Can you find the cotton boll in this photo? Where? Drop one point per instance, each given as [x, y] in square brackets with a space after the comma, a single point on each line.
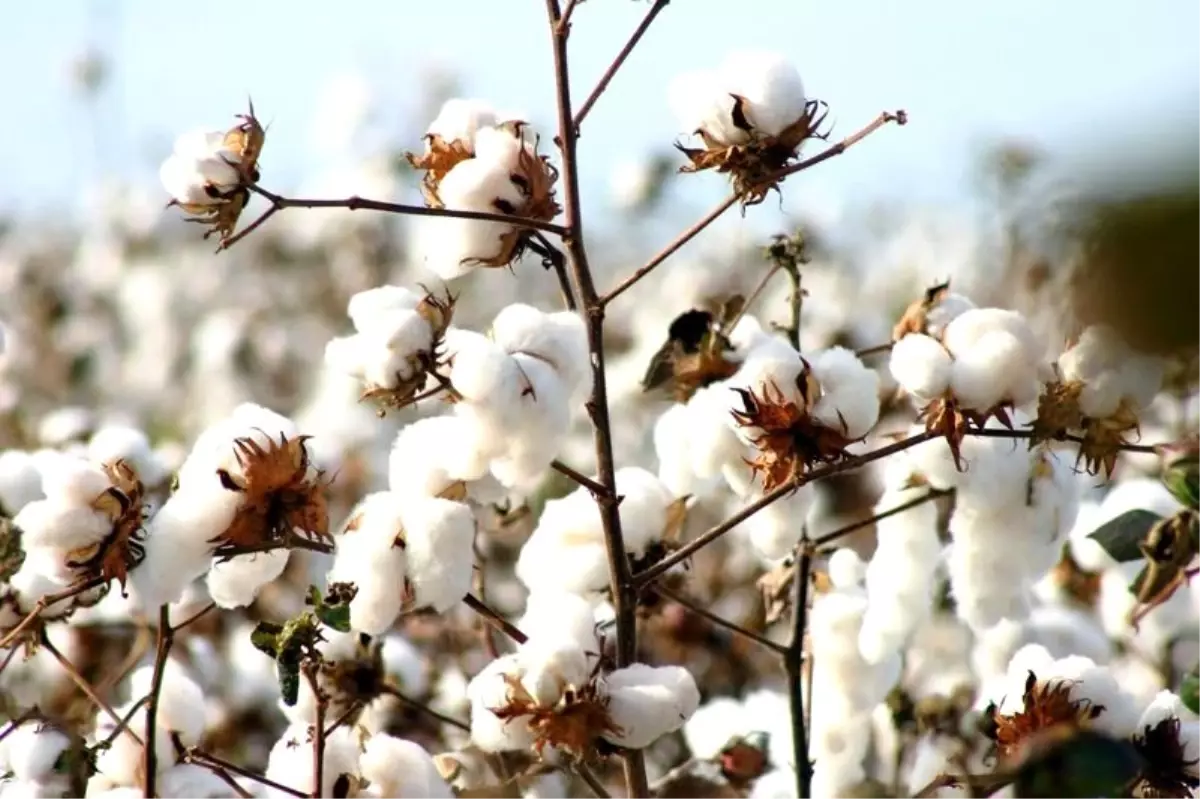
[130, 444]
[460, 118]
[558, 338]
[697, 106]
[921, 365]
[439, 535]
[479, 367]
[643, 508]
[771, 87]
[378, 577]
[968, 329]
[122, 763]
[777, 783]
[550, 667]
[178, 542]
[846, 569]
[180, 702]
[551, 615]
[776, 529]
[187, 779]
[1167, 705]
[714, 443]
[488, 691]
[945, 310]
[52, 523]
[401, 768]
[291, 759]
[432, 454]
[366, 307]
[712, 725]
[849, 393]
[20, 480]
[75, 481]
[31, 750]
[235, 583]
[996, 367]
[647, 702]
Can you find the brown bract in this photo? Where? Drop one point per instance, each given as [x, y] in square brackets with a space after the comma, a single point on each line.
[122, 548]
[752, 166]
[788, 439]
[438, 312]
[278, 495]
[694, 355]
[1167, 771]
[915, 318]
[573, 725]
[533, 175]
[946, 418]
[1047, 705]
[1102, 438]
[1168, 549]
[245, 140]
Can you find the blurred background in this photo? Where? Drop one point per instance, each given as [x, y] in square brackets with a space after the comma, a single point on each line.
[1050, 162]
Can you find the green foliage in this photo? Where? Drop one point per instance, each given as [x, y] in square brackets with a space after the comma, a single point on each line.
[1085, 764]
[1189, 690]
[1122, 537]
[1182, 479]
[290, 643]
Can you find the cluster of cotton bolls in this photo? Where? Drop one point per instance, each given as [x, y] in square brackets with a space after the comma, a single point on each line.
[570, 531]
[202, 169]
[514, 391]
[30, 752]
[482, 161]
[554, 673]
[751, 95]
[701, 442]
[982, 357]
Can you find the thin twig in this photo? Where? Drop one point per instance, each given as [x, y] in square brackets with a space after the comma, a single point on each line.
[591, 779]
[195, 617]
[162, 650]
[292, 541]
[48, 601]
[795, 304]
[494, 618]
[624, 594]
[11, 727]
[609, 73]
[793, 661]
[994, 432]
[80, 682]
[683, 238]
[729, 325]
[830, 537]
[706, 538]
[552, 258]
[568, 10]
[426, 709]
[717, 620]
[123, 723]
[250, 228]
[228, 780]
[202, 758]
[8, 658]
[355, 203]
[877, 349]
[318, 730]
[579, 477]
[355, 707]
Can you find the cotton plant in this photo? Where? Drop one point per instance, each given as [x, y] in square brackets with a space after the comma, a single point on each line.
[477, 161]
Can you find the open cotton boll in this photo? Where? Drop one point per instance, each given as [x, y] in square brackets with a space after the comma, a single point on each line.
[438, 544]
[30, 751]
[365, 308]
[54, 523]
[187, 779]
[434, 453]
[460, 118]
[921, 365]
[479, 367]
[568, 531]
[551, 615]
[769, 85]
[945, 310]
[180, 701]
[114, 441]
[1167, 705]
[558, 338]
[712, 725]
[368, 557]
[643, 508]
[551, 667]
[396, 767]
[74, 481]
[20, 480]
[849, 393]
[996, 367]
[453, 246]
[699, 104]
[647, 702]
[291, 760]
[488, 691]
[235, 583]
[846, 569]
[714, 442]
[967, 330]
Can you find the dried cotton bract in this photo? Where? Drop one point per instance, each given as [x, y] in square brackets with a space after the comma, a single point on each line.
[474, 161]
[1101, 387]
[752, 116]
[398, 335]
[208, 174]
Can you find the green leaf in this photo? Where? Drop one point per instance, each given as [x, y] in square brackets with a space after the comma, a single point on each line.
[11, 554]
[1189, 690]
[265, 638]
[1182, 479]
[1120, 536]
[335, 616]
[288, 667]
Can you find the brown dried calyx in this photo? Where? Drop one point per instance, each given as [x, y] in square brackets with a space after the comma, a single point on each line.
[752, 167]
[1047, 706]
[788, 439]
[696, 353]
[438, 312]
[245, 141]
[1102, 440]
[279, 496]
[533, 175]
[1167, 771]
[573, 725]
[112, 557]
[916, 316]
[946, 417]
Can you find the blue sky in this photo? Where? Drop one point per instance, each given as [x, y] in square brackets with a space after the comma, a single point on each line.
[1067, 74]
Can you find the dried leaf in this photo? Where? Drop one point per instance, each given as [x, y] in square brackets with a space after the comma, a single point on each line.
[11, 553]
